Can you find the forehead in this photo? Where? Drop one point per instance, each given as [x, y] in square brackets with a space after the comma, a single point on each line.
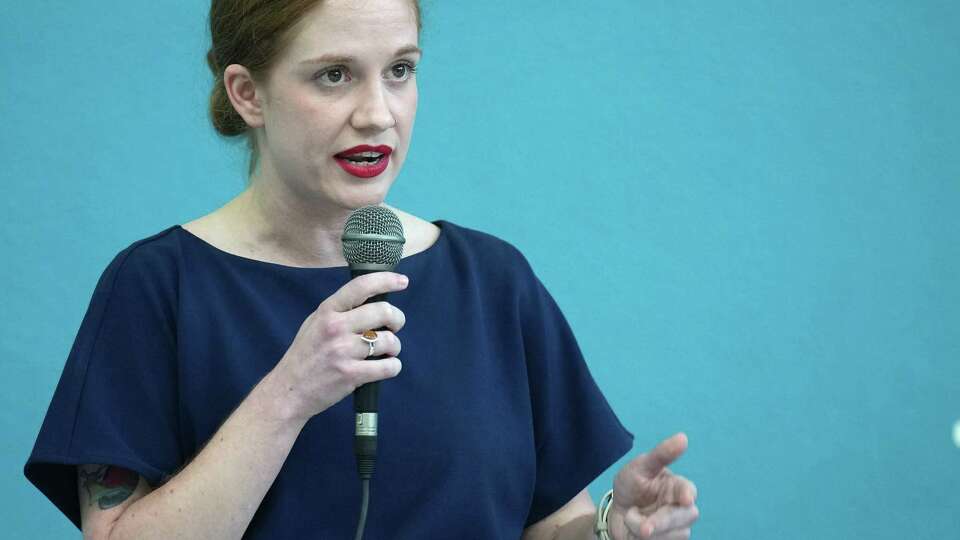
[341, 25]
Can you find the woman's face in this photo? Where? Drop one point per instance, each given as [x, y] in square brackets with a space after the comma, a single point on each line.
[346, 80]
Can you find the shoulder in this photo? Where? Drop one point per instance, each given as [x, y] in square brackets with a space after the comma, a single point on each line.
[487, 243]
[488, 252]
[149, 263]
[157, 251]
[154, 248]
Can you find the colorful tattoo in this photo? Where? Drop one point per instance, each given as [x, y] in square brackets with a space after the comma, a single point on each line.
[108, 485]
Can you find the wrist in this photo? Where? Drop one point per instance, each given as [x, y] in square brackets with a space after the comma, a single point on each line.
[278, 402]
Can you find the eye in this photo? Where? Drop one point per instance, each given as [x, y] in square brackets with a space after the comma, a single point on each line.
[333, 75]
[404, 70]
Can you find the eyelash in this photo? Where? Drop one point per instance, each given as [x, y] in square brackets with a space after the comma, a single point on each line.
[411, 71]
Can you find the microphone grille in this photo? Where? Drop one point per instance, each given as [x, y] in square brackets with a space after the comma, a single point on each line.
[372, 235]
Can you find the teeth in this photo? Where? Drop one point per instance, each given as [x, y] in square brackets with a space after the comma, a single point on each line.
[366, 154]
[363, 163]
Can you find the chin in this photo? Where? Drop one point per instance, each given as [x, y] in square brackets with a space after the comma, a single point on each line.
[366, 196]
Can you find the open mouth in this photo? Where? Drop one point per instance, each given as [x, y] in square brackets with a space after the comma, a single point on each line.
[364, 159]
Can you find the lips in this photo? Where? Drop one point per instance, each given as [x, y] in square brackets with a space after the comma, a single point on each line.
[362, 162]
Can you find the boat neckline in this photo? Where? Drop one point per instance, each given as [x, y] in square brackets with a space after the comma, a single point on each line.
[442, 224]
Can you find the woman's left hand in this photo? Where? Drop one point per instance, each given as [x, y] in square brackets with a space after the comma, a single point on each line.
[651, 502]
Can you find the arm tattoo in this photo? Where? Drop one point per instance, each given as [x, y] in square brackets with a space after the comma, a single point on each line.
[108, 485]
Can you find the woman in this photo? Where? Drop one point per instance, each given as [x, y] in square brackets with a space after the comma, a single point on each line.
[203, 396]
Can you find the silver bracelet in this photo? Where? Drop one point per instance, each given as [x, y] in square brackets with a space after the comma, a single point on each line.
[600, 526]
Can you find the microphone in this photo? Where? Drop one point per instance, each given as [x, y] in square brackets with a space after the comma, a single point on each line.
[372, 242]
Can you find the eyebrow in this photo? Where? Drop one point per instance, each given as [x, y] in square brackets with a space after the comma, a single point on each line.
[348, 59]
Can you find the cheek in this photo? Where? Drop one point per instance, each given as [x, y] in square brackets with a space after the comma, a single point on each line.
[411, 103]
[407, 113]
[318, 122]
[310, 129]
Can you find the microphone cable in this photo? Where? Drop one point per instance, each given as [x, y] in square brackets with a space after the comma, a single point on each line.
[365, 485]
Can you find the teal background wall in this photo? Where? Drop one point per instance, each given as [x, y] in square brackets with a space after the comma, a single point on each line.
[749, 212]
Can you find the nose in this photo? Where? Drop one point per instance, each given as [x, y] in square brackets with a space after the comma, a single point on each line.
[373, 110]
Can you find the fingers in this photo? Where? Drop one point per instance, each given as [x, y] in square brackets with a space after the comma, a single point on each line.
[678, 534]
[373, 316]
[665, 453]
[681, 491]
[387, 343]
[359, 289]
[367, 371]
[666, 521]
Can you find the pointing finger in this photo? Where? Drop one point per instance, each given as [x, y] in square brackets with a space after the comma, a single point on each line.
[665, 453]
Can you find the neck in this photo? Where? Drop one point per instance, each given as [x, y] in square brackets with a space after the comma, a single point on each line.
[305, 230]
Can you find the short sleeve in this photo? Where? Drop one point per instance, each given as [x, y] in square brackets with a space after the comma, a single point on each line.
[116, 401]
[577, 434]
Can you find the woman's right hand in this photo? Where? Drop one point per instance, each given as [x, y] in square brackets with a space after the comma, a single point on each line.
[327, 359]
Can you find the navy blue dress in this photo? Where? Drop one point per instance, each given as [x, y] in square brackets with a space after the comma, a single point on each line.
[494, 423]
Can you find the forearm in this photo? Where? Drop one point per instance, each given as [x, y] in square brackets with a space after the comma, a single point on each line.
[579, 528]
[216, 494]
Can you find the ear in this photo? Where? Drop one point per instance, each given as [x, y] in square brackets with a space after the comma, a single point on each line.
[243, 93]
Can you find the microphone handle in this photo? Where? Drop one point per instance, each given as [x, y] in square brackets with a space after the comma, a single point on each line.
[365, 404]
[365, 395]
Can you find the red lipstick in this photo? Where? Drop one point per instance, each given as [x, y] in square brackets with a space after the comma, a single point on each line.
[365, 161]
